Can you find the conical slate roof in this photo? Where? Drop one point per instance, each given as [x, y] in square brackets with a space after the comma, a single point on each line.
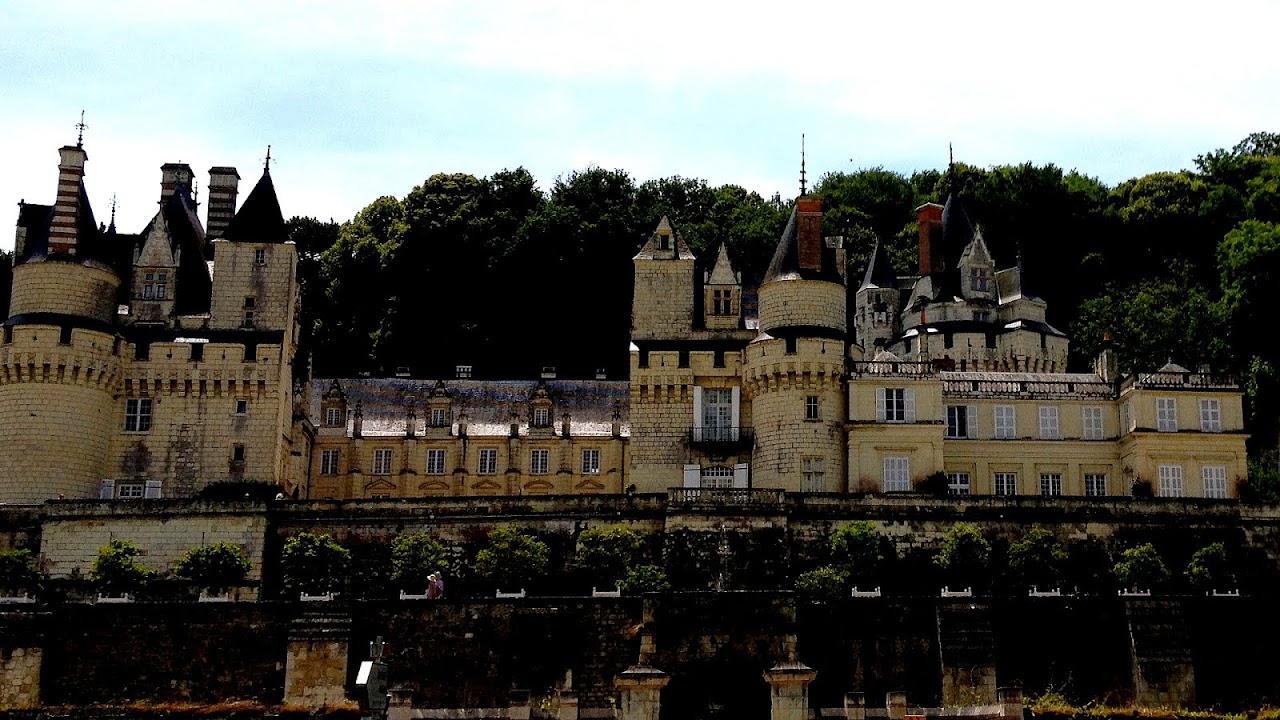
[259, 219]
[786, 259]
[879, 270]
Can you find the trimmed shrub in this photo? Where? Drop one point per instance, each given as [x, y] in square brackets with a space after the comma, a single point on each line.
[1037, 558]
[314, 564]
[413, 558]
[19, 572]
[644, 579]
[858, 551]
[1209, 569]
[116, 569]
[965, 556]
[605, 554]
[512, 560]
[1141, 568]
[824, 584]
[216, 568]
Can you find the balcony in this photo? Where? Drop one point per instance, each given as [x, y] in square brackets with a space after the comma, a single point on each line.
[725, 496]
[721, 438]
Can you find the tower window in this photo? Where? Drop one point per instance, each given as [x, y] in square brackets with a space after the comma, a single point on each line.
[242, 407]
[812, 475]
[260, 256]
[980, 279]
[250, 304]
[237, 453]
[137, 415]
[811, 408]
[721, 302]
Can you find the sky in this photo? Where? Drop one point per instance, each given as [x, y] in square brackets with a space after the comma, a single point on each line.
[360, 100]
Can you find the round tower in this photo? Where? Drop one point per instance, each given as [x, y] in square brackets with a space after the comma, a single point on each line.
[60, 365]
[794, 370]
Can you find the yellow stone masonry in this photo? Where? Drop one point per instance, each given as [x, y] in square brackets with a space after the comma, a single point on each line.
[65, 288]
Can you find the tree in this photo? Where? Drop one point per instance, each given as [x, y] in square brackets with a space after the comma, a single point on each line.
[644, 579]
[606, 554]
[1037, 558]
[19, 572]
[1140, 568]
[414, 557]
[965, 555]
[314, 564]
[825, 584]
[216, 568]
[858, 551]
[512, 560]
[116, 570]
[1209, 569]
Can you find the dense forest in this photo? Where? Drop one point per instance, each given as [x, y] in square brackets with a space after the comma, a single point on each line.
[500, 274]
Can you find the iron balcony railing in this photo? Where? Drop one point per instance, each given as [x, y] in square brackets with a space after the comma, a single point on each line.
[707, 435]
[725, 496]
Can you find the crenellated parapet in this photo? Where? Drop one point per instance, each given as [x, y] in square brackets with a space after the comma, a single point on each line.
[38, 354]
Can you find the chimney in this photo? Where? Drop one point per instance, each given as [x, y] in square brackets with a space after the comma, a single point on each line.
[171, 176]
[932, 249]
[224, 183]
[66, 209]
[1106, 364]
[809, 241]
[565, 425]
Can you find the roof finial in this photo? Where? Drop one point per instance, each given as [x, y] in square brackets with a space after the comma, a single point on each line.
[802, 181]
[80, 126]
[951, 156]
[195, 190]
[266, 166]
[112, 227]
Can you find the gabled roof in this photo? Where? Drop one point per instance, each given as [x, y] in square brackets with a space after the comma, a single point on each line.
[723, 272]
[879, 270]
[786, 259]
[36, 219]
[976, 252]
[193, 287]
[259, 219]
[676, 247]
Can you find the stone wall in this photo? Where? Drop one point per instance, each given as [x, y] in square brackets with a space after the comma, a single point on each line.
[65, 288]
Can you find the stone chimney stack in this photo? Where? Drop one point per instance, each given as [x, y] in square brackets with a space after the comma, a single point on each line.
[66, 209]
[224, 184]
[1107, 364]
[171, 176]
[809, 240]
[932, 249]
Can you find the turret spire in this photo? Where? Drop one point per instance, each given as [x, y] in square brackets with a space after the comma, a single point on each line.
[802, 179]
[80, 126]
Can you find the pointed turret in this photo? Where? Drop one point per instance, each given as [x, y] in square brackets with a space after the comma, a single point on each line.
[663, 300]
[876, 303]
[879, 271]
[722, 294]
[259, 219]
[977, 272]
[803, 289]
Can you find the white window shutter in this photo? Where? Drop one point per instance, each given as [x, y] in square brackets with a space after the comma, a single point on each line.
[735, 413]
[692, 476]
[108, 490]
[909, 400]
[697, 407]
[971, 421]
[880, 411]
[152, 489]
[741, 473]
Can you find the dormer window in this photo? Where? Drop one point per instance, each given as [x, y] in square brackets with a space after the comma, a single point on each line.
[542, 417]
[980, 280]
[155, 286]
[439, 417]
[721, 302]
[664, 242]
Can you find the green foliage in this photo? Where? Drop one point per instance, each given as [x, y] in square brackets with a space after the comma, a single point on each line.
[1037, 558]
[859, 551]
[825, 584]
[512, 560]
[19, 572]
[965, 555]
[644, 579]
[215, 567]
[1140, 568]
[314, 564]
[606, 554]
[1209, 569]
[415, 556]
[116, 569]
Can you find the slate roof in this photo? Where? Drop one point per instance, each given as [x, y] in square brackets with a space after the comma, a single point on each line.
[786, 259]
[36, 219]
[652, 248]
[193, 286]
[259, 219]
[879, 270]
[487, 404]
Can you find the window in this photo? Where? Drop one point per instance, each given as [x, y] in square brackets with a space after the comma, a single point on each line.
[382, 461]
[237, 453]
[1006, 483]
[439, 417]
[1170, 477]
[328, 462]
[1049, 423]
[148, 286]
[981, 316]
[896, 405]
[1050, 484]
[435, 462]
[130, 491]
[137, 415]
[721, 304]
[1091, 420]
[717, 476]
[1210, 415]
[1005, 422]
[980, 279]
[897, 474]
[811, 407]
[333, 416]
[162, 285]
[591, 462]
[260, 256]
[958, 483]
[249, 305]
[717, 414]
[812, 475]
[542, 417]
[1167, 414]
[155, 286]
[488, 461]
[242, 407]
[1127, 419]
[960, 420]
[1095, 484]
[539, 460]
[1215, 481]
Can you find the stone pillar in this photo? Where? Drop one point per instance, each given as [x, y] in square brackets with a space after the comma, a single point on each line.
[1160, 648]
[315, 671]
[855, 706]
[1010, 701]
[968, 653]
[21, 655]
[789, 690]
[896, 705]
[641, 689]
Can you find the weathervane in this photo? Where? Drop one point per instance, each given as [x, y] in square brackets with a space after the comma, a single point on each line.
[80, 126]
[113, 211]
[802, 183]
[266, 167]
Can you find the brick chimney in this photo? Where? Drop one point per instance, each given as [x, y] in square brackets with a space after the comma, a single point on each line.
[66, 209]
[932, 249]
[171, 176]
[224, 183]
[809, 233]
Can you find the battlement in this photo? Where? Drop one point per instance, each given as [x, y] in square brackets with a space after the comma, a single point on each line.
[647, 364]
[768, 359]
[50, 353]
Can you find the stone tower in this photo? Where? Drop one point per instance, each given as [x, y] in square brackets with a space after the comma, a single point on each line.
[60, 364]
[664, 275]
[722, 295]
[876, 304]
[794, 369]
